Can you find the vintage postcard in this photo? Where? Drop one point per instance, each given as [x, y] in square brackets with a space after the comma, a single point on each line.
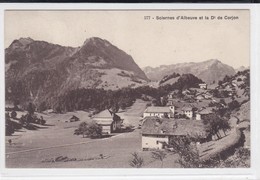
[127, 88]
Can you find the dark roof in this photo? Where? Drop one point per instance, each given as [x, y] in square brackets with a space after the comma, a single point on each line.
[206, 111]
[186, 108]
[74, 117]
[159, 126]
[157, 109]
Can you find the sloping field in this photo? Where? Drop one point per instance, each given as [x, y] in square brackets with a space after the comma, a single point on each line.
[54, 133]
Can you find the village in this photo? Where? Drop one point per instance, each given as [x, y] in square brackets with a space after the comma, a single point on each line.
[139, 130]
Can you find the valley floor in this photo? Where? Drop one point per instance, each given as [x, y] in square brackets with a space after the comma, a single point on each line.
[35, 148]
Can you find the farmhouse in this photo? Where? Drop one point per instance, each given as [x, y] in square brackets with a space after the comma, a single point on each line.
[157, 132]
[158, 111]
[109, 121]
[203, 86]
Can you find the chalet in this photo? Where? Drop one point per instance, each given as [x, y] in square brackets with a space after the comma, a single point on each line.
[157, 132]
[203, 86]
[109, 121]
[158, 111]
[188, 111]
[74, 119]
[203, 113]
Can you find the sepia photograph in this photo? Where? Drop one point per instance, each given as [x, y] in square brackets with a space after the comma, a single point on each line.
[129, 88]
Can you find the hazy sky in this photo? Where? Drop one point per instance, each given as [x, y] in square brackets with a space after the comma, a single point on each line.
[150, 42]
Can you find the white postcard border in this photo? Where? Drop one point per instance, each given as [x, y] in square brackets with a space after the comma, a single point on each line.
[225, 173]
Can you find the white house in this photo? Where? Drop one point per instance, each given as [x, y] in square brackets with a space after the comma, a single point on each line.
[157, 132]
[203, 86]
[188, 111]
[198, 116]
[109, 121]
[158, 111]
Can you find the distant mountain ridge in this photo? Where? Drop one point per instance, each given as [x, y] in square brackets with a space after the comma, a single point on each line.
[209, 71]
[40, 70]
[241, 68]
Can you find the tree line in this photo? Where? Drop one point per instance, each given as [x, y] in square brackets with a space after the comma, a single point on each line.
[100, 99]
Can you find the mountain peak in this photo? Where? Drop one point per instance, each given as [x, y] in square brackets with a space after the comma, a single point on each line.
[212, 61]
[21, 42]
[96, 41]
[27, 39]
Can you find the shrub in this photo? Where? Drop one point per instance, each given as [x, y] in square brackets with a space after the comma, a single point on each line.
[42, 107]
[92, 130]
[233, 105]
[30, 108]
[13, 114]
[241, 158]
[136, 161]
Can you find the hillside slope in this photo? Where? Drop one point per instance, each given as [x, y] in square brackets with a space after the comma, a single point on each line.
[38, 70]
